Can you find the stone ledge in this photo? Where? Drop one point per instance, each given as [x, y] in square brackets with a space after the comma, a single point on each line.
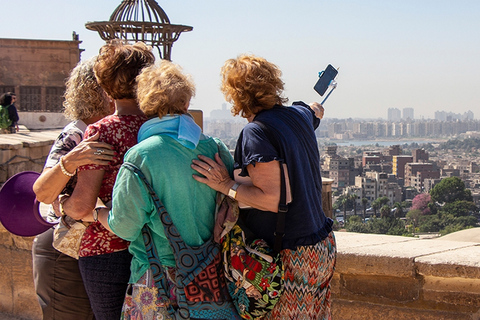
[377, 277]
[433, 278]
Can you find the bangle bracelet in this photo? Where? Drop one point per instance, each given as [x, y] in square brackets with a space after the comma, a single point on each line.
[64, 171]
[62, 199]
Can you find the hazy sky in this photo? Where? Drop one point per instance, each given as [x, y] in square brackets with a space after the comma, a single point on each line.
[423, 54]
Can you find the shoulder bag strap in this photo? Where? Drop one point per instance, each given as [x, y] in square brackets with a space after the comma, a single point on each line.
[158, 272]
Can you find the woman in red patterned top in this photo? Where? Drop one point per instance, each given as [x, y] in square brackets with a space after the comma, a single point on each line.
[104, 259]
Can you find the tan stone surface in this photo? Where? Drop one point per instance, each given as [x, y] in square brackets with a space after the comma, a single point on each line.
[468, 235]
[463, 262]
[360, 310]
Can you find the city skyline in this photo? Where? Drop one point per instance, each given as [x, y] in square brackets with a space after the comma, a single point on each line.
[393, 114]
[408, 54]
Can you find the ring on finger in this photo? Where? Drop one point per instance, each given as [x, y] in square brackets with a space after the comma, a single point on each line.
[98, 152]
[210, 168]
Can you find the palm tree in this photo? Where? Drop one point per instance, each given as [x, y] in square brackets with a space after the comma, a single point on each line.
[344, 203]
[385, 211]
[353, 197]
[375, 206]
[398, 209]
[364, 204]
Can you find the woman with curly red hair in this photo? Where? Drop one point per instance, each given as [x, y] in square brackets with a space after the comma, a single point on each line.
[308, 250]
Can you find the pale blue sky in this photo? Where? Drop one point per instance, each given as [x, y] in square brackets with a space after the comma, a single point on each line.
[423, 54]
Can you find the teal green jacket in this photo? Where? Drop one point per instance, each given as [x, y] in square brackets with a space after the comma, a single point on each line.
[191, 204]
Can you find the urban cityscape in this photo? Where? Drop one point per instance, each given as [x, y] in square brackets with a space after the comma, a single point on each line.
[399, 151]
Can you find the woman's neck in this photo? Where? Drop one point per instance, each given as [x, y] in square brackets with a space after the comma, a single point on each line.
[125, 107]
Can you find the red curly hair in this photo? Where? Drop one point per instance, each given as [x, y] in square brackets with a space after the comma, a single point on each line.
[251, 84]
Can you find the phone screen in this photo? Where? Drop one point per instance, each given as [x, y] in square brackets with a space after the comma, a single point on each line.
[325, 78]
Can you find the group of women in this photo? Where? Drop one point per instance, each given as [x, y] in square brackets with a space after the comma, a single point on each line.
[127, 108]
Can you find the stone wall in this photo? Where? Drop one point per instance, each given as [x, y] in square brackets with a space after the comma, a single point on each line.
[393, 277]
[42, 120]
[24, 151]
[377, 277]
[17, 294]
[36, 71]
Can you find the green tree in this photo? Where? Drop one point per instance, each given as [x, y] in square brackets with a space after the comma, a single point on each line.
[383, 201]
[375, 206]
[449, 190]
[460, 208]
[398, 210]
[385, 211]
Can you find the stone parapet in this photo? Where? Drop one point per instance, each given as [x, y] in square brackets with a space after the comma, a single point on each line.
[377, 277]
[392, 277]
[24, 151]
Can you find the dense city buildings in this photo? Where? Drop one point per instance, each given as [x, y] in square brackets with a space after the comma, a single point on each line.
[363, 169]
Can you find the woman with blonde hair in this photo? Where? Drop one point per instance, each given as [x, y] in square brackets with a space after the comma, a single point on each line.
[104, 259]
[308, 251]
[57, 278]
[167, 143]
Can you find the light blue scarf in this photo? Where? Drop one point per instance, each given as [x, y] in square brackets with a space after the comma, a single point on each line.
[182, 128]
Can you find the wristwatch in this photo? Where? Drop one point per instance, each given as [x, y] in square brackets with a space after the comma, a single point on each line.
[95, 213]
[232, 193]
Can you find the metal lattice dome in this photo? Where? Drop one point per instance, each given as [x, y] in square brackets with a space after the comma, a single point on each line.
[141, 20]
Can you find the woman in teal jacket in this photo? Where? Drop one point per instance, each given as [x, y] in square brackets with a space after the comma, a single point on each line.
[167, 143]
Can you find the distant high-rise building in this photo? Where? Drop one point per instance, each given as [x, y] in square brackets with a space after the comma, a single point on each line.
[223, 113]
[394, 114]
[440, 115]
[408, 114]
[420, 155]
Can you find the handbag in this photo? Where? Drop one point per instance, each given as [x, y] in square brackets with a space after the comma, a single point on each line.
[67, 236]
[68, 233]
[254, 271]
[199, 280]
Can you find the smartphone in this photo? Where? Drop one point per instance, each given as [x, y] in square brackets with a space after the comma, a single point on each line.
[325, 79]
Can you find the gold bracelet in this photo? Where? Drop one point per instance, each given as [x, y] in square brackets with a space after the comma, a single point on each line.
[64, 171]
[61, 200]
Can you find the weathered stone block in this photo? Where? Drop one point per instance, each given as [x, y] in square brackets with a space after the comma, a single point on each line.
[36, 152]
[360, 310]
[5, 155]
[399, 289]
[455, 291]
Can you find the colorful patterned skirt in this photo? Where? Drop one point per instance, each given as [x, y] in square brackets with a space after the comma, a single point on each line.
[308, 272]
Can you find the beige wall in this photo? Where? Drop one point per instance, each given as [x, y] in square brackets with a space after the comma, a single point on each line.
[44, 64]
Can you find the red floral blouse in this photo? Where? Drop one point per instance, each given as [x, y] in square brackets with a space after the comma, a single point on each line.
[120, 132]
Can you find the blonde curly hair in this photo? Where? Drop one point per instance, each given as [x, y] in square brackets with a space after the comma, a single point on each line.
[163, 89]
[251, 84]
[84, 98]
[118, 64]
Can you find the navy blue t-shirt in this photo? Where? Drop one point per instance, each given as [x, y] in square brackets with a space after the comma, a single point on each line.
[294, 129]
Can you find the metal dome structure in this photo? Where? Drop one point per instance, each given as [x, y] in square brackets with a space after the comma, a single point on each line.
[141, 20]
